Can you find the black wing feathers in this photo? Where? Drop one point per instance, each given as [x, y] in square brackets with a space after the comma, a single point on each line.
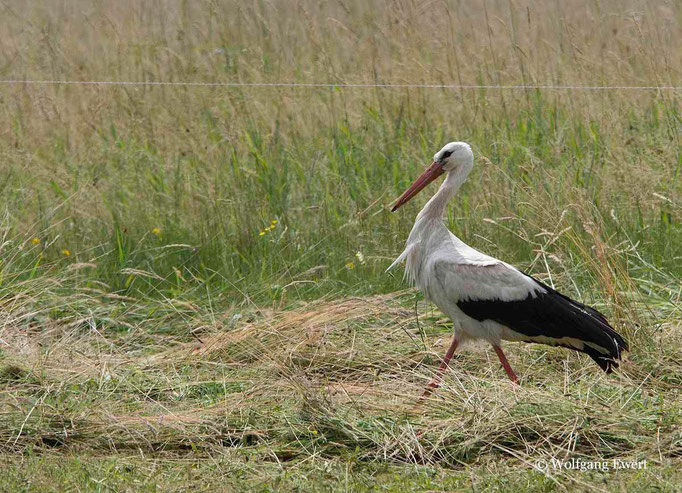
[555, 316]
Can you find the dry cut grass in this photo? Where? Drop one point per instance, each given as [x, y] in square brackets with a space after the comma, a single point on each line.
[335, 380]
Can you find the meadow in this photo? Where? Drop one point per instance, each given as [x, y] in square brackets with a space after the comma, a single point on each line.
[192, 278]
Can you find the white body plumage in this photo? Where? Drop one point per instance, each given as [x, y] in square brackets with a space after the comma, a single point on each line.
[447, 270]
[486, 298]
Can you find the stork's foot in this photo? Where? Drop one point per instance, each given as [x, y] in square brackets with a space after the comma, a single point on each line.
[505, 364]
[433, 385]
[435, 382]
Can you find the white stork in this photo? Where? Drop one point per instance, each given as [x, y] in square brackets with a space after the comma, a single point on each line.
[486, 298]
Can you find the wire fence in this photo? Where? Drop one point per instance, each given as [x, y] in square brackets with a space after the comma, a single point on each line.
[303, 85]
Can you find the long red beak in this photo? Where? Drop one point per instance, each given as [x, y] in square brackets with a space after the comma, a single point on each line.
[431, 173]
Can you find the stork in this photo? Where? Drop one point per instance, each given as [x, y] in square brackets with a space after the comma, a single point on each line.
[486, 298]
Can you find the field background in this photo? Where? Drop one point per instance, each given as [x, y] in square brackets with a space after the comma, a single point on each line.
[192, 286]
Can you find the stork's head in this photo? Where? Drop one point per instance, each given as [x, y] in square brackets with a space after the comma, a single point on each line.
[455, 157]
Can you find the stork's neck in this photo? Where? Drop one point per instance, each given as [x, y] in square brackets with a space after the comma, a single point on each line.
[435, 207]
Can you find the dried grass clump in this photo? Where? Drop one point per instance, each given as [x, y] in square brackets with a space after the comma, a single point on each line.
[337, 377]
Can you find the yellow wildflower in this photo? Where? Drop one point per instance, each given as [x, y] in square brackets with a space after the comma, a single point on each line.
[35, 241]
[66, 252]
[350, 265]
[268, 228]
[156, 231]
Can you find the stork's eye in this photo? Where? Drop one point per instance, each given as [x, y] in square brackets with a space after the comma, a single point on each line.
[446, 154]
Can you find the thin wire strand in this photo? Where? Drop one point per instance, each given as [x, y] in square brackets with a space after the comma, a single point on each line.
[340, 85]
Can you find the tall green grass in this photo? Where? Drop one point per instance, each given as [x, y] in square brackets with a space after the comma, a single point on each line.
[544, 185]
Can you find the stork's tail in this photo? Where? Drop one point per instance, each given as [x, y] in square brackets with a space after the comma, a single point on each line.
[600, 340]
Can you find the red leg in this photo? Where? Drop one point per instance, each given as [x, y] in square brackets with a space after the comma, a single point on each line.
[506, 365]
[435, 382]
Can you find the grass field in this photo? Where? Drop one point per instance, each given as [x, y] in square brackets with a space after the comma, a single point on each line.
[192, 285]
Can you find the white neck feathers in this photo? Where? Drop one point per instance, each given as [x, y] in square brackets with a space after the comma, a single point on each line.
[435, 207]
